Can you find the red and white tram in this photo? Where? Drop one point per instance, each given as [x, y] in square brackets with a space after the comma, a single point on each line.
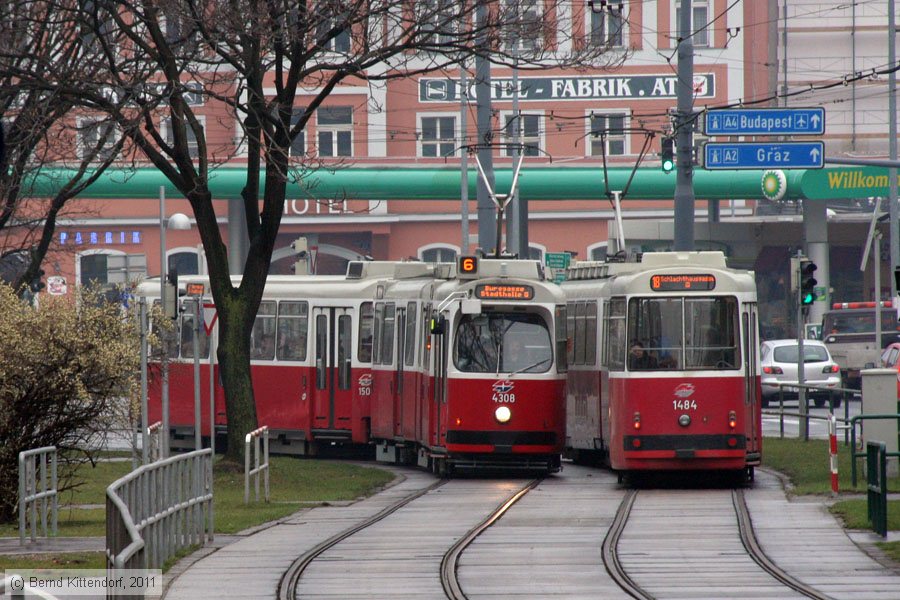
[442, 365]
[469, 367]
[310, 359]
[663, 364]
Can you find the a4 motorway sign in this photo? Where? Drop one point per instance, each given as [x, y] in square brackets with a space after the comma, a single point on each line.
[764, 155]
[765, 121]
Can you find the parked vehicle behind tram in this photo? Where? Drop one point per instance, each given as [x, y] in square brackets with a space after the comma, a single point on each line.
[663, 364]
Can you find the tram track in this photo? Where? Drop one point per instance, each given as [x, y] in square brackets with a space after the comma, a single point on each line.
[631, 584]
[450, 561]
[287, 585]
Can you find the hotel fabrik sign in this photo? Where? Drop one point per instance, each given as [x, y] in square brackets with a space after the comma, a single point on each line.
[633, 87]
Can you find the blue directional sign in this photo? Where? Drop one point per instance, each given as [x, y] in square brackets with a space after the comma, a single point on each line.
[763, 155]
[765, 121]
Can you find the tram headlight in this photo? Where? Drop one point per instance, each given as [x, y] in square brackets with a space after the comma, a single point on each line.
[502, 414]
[684, 420]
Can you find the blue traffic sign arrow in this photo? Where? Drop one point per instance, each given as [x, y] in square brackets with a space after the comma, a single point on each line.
[765, 121]
[764, 155]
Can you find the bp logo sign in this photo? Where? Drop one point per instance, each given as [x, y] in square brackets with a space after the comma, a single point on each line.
[774, 185]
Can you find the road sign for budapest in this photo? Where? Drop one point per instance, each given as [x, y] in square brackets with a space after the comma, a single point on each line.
[764, 155]
[765, 121]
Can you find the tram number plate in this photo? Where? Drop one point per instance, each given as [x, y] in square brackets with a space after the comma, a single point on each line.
[684, 404]
[504, 397]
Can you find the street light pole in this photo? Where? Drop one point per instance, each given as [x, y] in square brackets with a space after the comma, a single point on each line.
[163, 332]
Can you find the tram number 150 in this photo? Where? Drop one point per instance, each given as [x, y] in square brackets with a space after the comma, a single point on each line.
[684, 404]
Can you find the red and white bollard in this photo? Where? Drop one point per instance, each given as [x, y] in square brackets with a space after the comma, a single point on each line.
[832, 451]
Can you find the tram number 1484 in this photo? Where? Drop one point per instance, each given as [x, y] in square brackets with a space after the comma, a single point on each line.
[684, 404]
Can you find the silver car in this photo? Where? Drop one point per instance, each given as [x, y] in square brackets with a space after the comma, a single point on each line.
[779, 366]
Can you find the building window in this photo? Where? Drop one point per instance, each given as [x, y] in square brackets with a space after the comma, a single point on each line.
[180, 31]
[529, 133]
[607, 135]
[699, 21]
[298, 144]
[184, 263]
[607, 24]
[437, 254]
[335, 130]
[437, 25]
[169, 136]
[328, 38]
[97, 139]
[526, 32]
[597, 251]
[438, 136]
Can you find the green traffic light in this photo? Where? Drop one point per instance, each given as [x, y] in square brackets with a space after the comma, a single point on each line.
[667, 155]
[808, 298]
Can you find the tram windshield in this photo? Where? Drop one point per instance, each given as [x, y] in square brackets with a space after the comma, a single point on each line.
[503, 343]
[683, 333]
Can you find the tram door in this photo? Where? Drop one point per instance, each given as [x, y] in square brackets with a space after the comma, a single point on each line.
[439, 401]
[400, 332]
[332, 396]
[751, 369]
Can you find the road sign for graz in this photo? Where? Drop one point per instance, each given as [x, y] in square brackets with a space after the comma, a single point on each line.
[753, 155]
[765, 121]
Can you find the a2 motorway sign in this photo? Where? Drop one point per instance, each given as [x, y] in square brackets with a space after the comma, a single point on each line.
[765, 121]
[764, 155]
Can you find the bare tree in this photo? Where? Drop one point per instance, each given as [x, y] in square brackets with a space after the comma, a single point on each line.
[39, 61]
[252, 60]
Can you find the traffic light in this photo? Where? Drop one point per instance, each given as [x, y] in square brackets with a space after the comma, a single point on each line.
[667, 154]
[807, 282]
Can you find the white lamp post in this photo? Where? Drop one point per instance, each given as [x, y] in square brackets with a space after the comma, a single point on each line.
[177, 221]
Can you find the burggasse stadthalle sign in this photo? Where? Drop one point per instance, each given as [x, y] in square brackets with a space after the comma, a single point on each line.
[634, 87]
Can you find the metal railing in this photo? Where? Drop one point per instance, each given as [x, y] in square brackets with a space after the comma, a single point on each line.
[846, 394]
[154, 447]
[32, 473]
[876, 487]
[158, 509]
[254, 436]
[857, 455]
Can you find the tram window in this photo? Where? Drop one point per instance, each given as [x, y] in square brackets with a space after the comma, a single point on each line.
[345, 348]
[711, 333]
[387, 335]
[187, 333]
[366, 317]
[614, 323]
[590, 334]
[410, 334]
[657, 324]
[262, 337]
[571, 334]
[377, 326]
[322, 354]
[293, 330]
[580, 337]
[503, 342]
[562, 362]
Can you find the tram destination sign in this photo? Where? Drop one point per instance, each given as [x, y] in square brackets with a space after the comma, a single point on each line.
[763, 155]
[765, 121]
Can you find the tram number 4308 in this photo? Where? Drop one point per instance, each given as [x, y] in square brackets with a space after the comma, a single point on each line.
[504, 397]
[684, 404]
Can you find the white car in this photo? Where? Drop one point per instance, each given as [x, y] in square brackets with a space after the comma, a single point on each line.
[778, 360]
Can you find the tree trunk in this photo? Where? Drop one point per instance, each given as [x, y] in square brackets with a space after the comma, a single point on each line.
[234, 365]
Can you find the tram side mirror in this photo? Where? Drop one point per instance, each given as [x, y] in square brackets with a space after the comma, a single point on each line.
[470, 307]
[438, 325]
